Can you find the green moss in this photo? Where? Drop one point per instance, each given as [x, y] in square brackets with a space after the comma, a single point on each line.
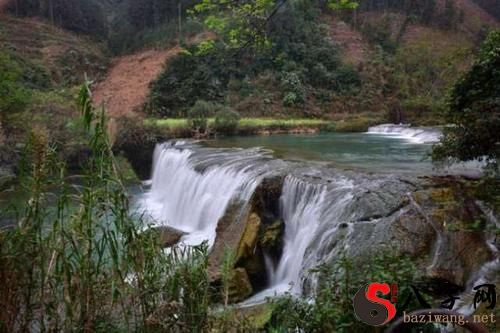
[249, 238]
[271, 237]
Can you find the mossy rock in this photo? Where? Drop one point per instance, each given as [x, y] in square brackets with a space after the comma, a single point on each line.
[249, 238]
[271, 238]
[164, 235]
[240, 287]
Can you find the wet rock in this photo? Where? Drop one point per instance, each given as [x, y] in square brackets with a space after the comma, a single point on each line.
[248, 241]
[167, 236]
[271, 238]
[240, 287]
[240, 230]
[229, 232]
[249, 255]
[266, 199]
[438, 224]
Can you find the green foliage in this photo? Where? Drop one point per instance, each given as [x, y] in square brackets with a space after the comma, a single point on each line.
[13, 96]
[342, 4]
[226, 121]
[245, 24]
[474, 110]
[294, 89]
[197, 116]
[77, 261]
[331, 310]
[239, 24]
[297, 53]
[379, 33]
[188, 78]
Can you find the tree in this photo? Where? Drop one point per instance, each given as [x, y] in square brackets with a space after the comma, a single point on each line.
[84, 16]
[242, 24]
[474, 110]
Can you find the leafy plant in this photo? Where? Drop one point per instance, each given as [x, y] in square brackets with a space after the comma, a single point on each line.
[226, 121]
[330, 310]
[197, 117]
[474, 110]
[76, 260]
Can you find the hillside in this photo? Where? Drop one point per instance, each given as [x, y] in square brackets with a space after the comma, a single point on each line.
[41, 68]
[126, 85]
[64, 56]
[393, 65]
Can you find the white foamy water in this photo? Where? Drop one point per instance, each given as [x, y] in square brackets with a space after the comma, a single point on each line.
[412, 134]
[301, 204]
[304, 207]
[194, 200]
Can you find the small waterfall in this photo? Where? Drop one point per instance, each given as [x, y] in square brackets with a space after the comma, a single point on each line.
[412, 134]
[192, 200]
[304, 206]
[488, 273]
[301, 204]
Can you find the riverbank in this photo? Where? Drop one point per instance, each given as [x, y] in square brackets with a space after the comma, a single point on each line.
[179, 128]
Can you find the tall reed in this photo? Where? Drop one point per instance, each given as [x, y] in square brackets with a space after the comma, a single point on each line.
[77, 260]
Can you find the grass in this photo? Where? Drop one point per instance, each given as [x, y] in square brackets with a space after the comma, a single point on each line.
[244, 122]
[247, 125]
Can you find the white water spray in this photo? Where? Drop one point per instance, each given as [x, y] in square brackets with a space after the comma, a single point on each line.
[412, 134]
[193, 201]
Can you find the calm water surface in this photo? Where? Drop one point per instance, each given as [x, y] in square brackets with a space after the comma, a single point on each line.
[371, 152]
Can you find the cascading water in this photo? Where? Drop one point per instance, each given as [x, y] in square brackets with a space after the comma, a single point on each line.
[414, 135]
[326, 211]
[304, 206]
[193, 200]
[301, 205]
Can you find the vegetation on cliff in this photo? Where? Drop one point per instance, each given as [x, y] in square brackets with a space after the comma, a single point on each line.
[474, 110]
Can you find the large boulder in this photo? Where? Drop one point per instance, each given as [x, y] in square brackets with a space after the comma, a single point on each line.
[241, 230]
[435, 222]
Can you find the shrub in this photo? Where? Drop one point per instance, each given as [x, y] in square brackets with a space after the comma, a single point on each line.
[190, 77]
[295, 91]
[198, 115]
[474, 110]
[331, 310]
[12, 95]
[226, 121]
[77, 261]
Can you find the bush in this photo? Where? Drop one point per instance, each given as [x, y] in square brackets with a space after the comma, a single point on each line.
[331, 310]
[126, 283]
[198, 115]
[474, 110]
[190, 77]
[226, 121]
[295, 91]
[12, 94]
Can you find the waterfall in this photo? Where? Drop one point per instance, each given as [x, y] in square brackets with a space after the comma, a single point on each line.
[301, 204]
[489, 272]
[191, 189]
[412, 134]
[304, 207]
